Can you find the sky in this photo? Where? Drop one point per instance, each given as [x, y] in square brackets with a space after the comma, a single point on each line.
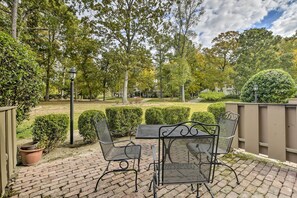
[278, 16]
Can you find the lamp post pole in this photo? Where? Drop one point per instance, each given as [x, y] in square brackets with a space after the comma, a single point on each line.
[72, 76]
[256, 94]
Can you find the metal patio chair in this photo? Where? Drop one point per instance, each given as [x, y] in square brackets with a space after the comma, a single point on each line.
[120, 154]
[228, 122]
[174, 164]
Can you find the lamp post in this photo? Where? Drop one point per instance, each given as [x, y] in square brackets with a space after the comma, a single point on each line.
[256, 94]
[72, 77]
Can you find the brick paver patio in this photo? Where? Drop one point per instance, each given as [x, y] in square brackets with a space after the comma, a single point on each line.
[77, 176]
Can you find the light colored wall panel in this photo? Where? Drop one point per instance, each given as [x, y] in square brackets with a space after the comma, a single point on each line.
[3, 172]
[276, 132]
[251, 114]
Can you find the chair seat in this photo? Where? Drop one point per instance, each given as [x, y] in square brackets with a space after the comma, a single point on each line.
[184, 173]
[124, 152]
[194, 149]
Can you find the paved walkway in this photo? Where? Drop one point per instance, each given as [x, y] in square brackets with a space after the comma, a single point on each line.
[77, 176]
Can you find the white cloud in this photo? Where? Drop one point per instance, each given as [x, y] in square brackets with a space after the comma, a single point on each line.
[286, 25]
[238, 15]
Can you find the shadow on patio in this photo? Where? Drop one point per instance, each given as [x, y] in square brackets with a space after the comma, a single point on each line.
[77, 177]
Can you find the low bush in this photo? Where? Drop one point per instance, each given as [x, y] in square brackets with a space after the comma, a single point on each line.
[173, 115]
[217, 109]
[212, 95]
[85, 124]
[154, 115]
[274, 86]
[123, 120]
[203, 117]
[50, 130]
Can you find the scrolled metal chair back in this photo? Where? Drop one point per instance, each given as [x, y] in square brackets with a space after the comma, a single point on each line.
[103, 135]
[228, 122]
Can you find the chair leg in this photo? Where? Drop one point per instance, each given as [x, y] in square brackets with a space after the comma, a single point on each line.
[222, 163]
[138, 164]
[208, 189]
[135, 180]
[198, 191]
[155, 186]
[150, 186]
[101, 178]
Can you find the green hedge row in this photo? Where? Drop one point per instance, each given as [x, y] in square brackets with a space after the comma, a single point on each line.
[217, 109]
[212, 95]
[167, 115]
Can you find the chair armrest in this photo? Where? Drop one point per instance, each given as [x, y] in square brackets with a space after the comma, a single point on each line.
[226, 137]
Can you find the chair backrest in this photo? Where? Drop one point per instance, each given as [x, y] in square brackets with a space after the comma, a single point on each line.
[104, 136]
[177, 164]
[228, 122]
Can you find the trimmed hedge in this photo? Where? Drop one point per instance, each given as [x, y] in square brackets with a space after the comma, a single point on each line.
[50, 130]
[86, 127]
[173, 115]
[217, 109]
[123, 120]
[274, 86]
[212, 95]
[204, 117]
[154, 115]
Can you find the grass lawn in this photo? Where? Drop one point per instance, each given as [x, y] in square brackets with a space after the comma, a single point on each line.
[57, 107]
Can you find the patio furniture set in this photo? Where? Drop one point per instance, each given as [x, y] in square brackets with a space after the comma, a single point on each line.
[186, 152]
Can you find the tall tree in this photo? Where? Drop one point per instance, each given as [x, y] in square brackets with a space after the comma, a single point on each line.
[221, 56]
[186, 15]
[162, 45]
[128, 24]
[258, 50]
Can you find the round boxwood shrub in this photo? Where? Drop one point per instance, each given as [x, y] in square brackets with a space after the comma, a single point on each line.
[50, 130]
[123, 120]
[204, 117]
[274, 86]
[154, 115]
[212, 95]
[173, 115]
[85, 124]
[217, 109]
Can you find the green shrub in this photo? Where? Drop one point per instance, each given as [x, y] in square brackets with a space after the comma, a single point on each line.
[173, 115]
[204, 117]
[217, 109]
[123, 120]
[154, 115]
[20, 76]
[50, 130]
[274, 86]
[86, 127]
[212, 95]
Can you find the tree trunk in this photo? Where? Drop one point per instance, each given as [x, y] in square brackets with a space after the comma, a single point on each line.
[125, 91]
[183, 93]
[14, 18]
[47, 81]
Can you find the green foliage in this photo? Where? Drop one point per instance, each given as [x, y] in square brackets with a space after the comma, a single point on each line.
[50, 130]
[217, 109]
[212, 95]
[85, 124]
[258, 50]
[123, 120]
[20, 79]
[154, 115]
[274, 86]
[204, 117]
[173, 115]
